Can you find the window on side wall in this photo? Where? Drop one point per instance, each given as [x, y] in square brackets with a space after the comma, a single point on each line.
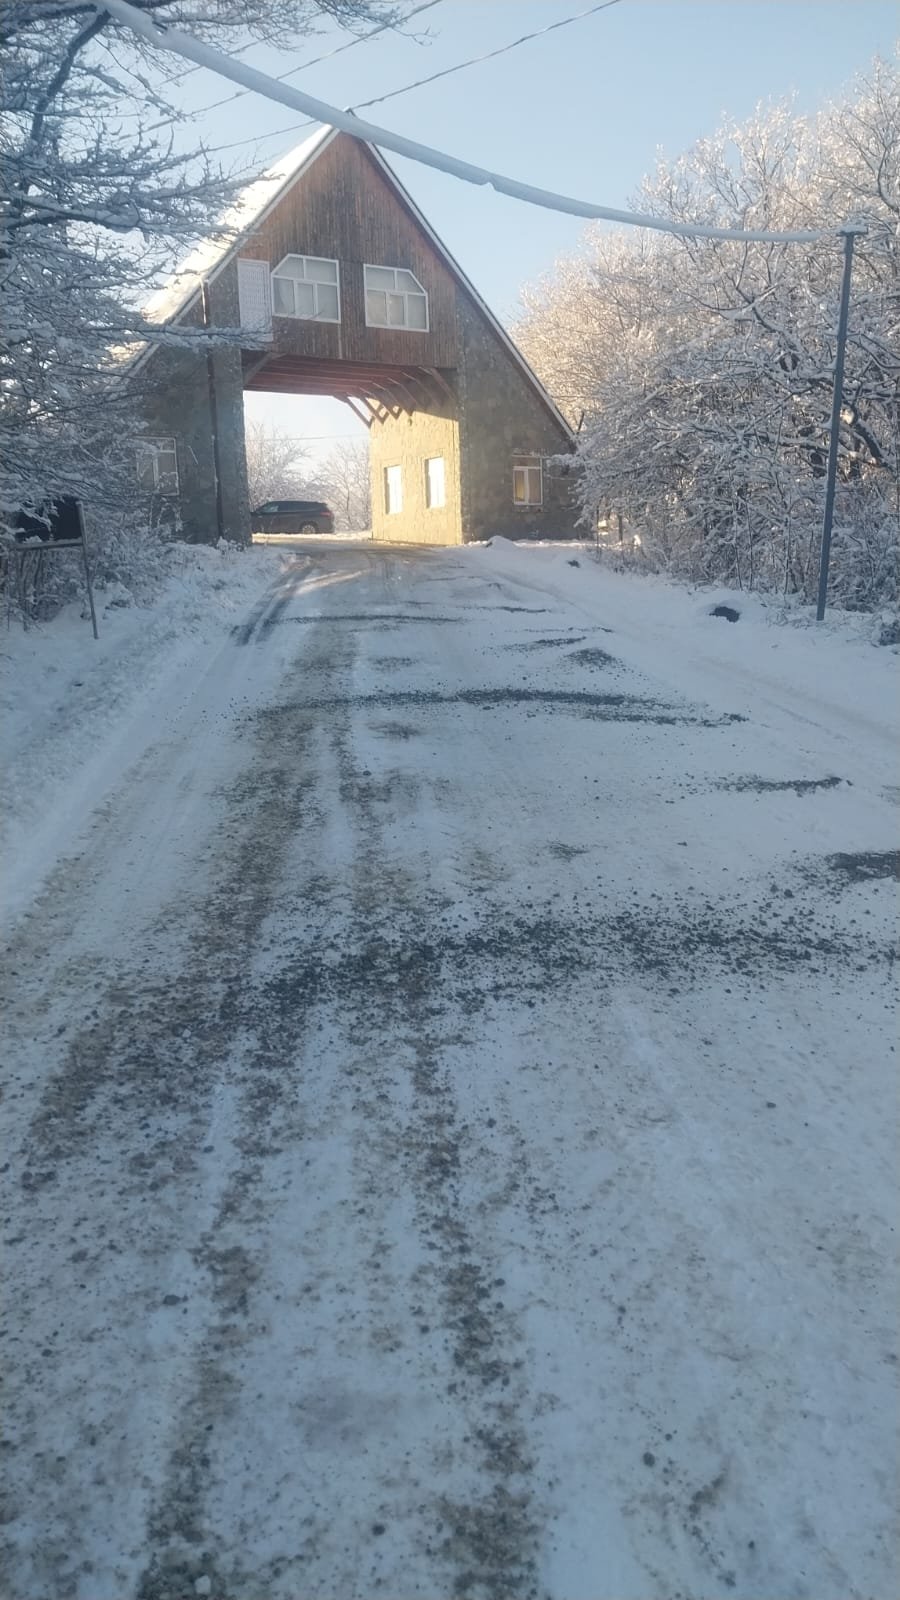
[156, 465]
[435, 491]
[528, 481]
[395, 299]
[307, 287]
[393, 490]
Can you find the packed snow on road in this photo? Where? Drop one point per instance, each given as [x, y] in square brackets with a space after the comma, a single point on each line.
[450, 1057]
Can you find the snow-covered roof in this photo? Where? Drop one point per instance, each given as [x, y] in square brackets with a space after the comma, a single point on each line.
[252, 207]
[246, 214]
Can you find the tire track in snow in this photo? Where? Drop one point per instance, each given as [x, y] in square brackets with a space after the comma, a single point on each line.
[142, 1087]
[259, 1166]
[490, 1540]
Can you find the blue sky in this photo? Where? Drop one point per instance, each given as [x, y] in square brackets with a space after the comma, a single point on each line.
[585, 110]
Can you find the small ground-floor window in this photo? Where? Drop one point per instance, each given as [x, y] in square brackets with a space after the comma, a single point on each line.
[156, 463]
[528, 483]
[435, 492]
[393, 490]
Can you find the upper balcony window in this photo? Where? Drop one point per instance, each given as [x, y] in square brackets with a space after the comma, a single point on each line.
[395, 299]
[307, 287]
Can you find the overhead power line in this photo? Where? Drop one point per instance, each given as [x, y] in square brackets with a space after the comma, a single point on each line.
[488, 55]
[294, 127]
[360, 38]
[179, 43]
[259, 138]
[179, 77]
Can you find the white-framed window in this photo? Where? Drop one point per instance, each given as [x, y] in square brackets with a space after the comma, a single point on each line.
[156, 465]
[528, 481]
[307, 287]
[395, 299]
[435, 489]
[393, 490]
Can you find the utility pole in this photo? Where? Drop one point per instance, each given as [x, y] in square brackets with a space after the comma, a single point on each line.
[213, 410]
[848, 234]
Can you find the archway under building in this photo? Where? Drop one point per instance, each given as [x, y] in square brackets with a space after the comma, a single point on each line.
[397, 410]
[308, 447]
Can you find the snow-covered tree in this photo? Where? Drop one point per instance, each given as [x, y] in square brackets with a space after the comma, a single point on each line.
[345, 475]
[702, 368]
[93, 205]
[277, 465]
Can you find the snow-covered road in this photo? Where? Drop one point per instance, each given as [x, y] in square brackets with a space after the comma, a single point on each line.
[449, 1141]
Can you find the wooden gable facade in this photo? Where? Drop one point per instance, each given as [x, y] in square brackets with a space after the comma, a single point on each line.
[464, 441]
[342, 209]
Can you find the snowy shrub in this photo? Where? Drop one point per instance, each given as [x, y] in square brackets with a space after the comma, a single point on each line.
[129, 556]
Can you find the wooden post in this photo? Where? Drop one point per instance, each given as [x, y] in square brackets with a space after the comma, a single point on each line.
[87, 569]
[213, 413]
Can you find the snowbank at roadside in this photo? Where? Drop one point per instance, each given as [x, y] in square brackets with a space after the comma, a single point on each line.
[777, 610]
[73, 707]
[304, 540]
[831, 671]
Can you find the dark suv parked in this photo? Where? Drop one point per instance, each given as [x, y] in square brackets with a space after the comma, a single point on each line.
[292, 516]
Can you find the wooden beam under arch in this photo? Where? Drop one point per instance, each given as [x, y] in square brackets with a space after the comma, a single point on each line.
[397, 388]
[356, 408]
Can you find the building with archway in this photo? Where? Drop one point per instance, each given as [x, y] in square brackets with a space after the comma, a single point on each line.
[342, 288]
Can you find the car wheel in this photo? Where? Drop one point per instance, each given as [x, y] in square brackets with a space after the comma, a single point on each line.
[309, 527]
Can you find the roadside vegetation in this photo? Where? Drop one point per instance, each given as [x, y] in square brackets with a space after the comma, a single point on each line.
[101, 193]
[699, 371]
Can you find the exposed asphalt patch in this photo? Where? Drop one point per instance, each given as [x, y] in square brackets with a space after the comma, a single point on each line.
[547, 644]
[862, 866]
[776, 786]
[608, 707]
[397, 730]
[153, 1056]
[593, 656]
[509, 955]
[373, 617]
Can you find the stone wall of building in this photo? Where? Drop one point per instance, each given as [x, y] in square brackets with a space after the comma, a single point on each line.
[502, 416]
[174, 393]
[407, 442]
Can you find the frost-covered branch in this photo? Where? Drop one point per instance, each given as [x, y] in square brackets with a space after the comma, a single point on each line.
[94, 208]
[703, 368]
